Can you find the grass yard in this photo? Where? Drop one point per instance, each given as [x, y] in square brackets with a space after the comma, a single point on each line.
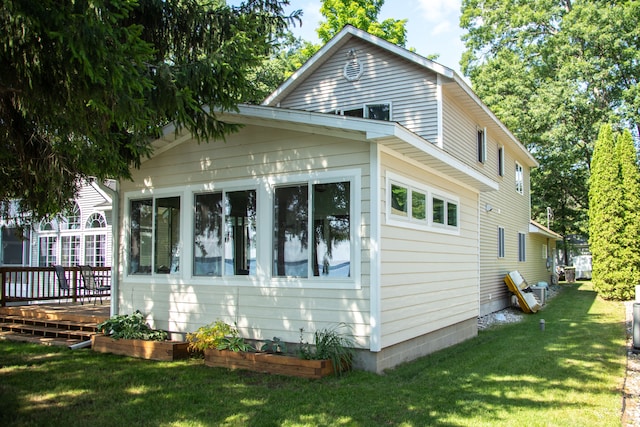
[511, 375]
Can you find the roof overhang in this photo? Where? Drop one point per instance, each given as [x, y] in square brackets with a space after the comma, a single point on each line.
[388, 134]
[535, 227]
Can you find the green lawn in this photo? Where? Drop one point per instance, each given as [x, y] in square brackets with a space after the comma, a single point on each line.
[510, 375]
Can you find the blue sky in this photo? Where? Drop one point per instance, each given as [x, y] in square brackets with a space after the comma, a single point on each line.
[433, 26]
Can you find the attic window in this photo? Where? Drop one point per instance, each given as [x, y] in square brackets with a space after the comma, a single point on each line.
[353, 69]
[369, 111]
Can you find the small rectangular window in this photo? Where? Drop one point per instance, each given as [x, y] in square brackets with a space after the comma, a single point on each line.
[500, 242]
[452, 214]
[519, 179]
[418, 205]
[501, 161]
[378, 111]
[438, 211]
[521, 247]
[399, 197]
[482, 144]
[240, 233]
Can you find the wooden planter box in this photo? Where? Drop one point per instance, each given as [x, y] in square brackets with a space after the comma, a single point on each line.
[153, 350]
[268, 363]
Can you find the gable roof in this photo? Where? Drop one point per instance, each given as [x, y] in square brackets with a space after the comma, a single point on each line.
[536, 227]
[384, 133]
[450, 79]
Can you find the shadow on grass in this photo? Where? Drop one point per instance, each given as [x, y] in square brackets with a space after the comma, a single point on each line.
[510, 375]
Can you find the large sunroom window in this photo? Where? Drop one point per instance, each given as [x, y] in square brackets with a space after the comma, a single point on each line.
[155, 236]
[312, 230]
[228, 250]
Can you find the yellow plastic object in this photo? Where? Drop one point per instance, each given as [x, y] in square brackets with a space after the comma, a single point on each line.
[516, 284]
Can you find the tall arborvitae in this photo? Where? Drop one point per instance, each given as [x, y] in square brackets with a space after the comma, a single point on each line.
[606, 219]
[630, 180]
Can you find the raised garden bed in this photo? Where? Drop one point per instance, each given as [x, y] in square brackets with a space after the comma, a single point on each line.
[268, 363]
[144, 349]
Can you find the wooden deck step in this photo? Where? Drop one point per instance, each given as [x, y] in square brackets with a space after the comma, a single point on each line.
[60, 324]
[44, 331]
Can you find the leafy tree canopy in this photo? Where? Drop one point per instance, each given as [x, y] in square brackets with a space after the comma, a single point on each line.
[554, 71]
[85, 86]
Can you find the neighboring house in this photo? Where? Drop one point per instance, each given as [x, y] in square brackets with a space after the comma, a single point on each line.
[80, 237]
[372, 188]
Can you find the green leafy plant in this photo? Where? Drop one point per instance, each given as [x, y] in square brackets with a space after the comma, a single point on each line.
[218, 335]
[234, 343]
[331, 344]
[131, 326]
[276, 345]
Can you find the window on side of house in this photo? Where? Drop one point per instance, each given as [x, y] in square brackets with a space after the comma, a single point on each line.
[482, 144]
[519, 178]
[13, 246]
[70, 251]
[48, 246]
[240, 231]
[445, 212]
[500, 242]
[501, 161]
[155, 235]
[312, 230]
[377, 111]
[409, 203]
[522, 254]
[95, 252]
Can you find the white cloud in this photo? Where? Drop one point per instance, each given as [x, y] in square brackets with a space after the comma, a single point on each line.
[444, 13]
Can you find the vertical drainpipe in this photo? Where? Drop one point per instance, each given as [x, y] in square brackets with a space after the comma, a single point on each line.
[115, 242]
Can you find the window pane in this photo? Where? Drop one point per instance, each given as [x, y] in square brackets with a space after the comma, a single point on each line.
[240, 233]
[291, 252]
[398, 200]
[95, 250]
[12, 247]
[452, 214]
[167, 235]
[207, 237]
[418, 205]
[332, 226]
[378, 111]
[48, 246]
[140, 244]
[356, 112]
[70, 251]
[438, 211]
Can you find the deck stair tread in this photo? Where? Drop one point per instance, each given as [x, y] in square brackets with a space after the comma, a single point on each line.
[87, 326]
[45, 330]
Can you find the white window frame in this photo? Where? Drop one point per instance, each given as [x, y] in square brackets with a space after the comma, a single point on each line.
[154, 196]
[311, 281]
[264, 241]
[519, 178]
[409, 221]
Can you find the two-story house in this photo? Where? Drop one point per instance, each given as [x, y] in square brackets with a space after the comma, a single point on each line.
[373, 188]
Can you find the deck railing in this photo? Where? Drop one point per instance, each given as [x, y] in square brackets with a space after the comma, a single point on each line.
[22, 285]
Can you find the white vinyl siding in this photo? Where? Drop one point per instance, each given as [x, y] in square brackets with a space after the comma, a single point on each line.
[386, 79]
[264, 306]
[428, 278]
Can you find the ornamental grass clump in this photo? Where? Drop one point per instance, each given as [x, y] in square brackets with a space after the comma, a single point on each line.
[329, 344]
[131, 327]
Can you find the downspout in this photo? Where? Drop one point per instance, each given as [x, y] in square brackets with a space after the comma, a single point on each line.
[115, 249]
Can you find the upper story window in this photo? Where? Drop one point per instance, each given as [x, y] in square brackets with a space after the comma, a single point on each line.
[413, 204]
[96, 220]
[522, 247]
[380, 111]
[501, 161]
[501, 243]
[519, 178]
[482, 144]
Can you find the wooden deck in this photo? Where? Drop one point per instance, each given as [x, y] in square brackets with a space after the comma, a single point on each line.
[52, 324]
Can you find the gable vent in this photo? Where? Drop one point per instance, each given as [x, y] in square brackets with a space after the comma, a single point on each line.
[353, 69]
